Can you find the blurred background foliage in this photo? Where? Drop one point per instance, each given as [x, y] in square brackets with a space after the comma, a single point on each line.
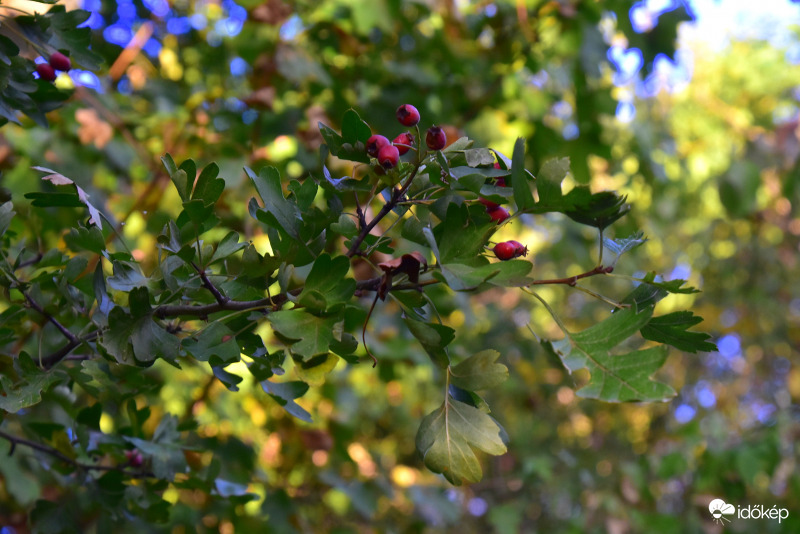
[704, 141]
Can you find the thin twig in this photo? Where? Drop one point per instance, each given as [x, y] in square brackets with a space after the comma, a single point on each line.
[63, 352]
[218, 296]
[397, 194]
[31, 261]
[572, 280]
[63, 329]
[55, 453]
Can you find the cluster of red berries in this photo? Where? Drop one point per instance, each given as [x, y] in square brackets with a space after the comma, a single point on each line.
[510, 249]
[58, 61]
[389, 152]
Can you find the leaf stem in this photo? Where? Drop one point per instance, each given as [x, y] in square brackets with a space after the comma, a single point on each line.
[552, 312]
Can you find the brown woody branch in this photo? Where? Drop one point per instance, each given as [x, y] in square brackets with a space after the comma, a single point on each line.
[573, 280]
[63, 329]
[203, 311]
[218, 296]
[397, 194]
[55, 453]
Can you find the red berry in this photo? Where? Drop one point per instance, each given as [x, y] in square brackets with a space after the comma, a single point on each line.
[134, 458]
[501, 182]
[46, 72]
[407, 115]
[60, 62]
[498, 214]
[388, 156]
[375, 144]
[488, 203]
[435, 138]
[505, 250]
[404, 138]
[497, 165]
[519, 249]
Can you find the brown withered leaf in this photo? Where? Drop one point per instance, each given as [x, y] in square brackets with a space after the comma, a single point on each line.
[409, 264]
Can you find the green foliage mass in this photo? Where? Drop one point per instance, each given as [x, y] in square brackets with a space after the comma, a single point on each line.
[209, 271]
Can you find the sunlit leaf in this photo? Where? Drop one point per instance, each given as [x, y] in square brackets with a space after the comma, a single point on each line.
[615, 377]
[672, 329]
[285, 394]
[447, 436]
[479, 371]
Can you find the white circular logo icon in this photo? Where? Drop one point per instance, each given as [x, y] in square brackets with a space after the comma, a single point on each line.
[719, 509]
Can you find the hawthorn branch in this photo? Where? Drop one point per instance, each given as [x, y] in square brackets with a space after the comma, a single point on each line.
[205, 310]
[218, 296]
[573, 280]
[397, 194]
[55, 453]
[226, 304]
[52, 359]
[33, 261]
[63, 329]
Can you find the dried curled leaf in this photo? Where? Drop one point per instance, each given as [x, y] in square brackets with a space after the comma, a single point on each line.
[411, 264]
[59, 179]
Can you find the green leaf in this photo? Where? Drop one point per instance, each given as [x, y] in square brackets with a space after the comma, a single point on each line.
[208, 187]
[519, 180]
[230, 380]
[479, 156]
[458, 238]
[29, 391]
[52, 200]
[460, 277]
[126, 277]
[618, 247]
[90, 416]
[314, 370]
[304, 193]
[672, 329]
[354, 130]
[286, 213]
[433, 338]
[672, 286]
[346, 226]
[90, 239]
[7, 49]
[447, 436]
[178, 177]
[6, 214]
[620, 377]
[548, 181]
[164, 450]
[328, 278]
[479, 371]
[229, 245]
[285, 393]
[307, 334]
[599, 209]
[460, 144]
[215, 340]
[68, 35]
[129, 339]
[340, 148]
